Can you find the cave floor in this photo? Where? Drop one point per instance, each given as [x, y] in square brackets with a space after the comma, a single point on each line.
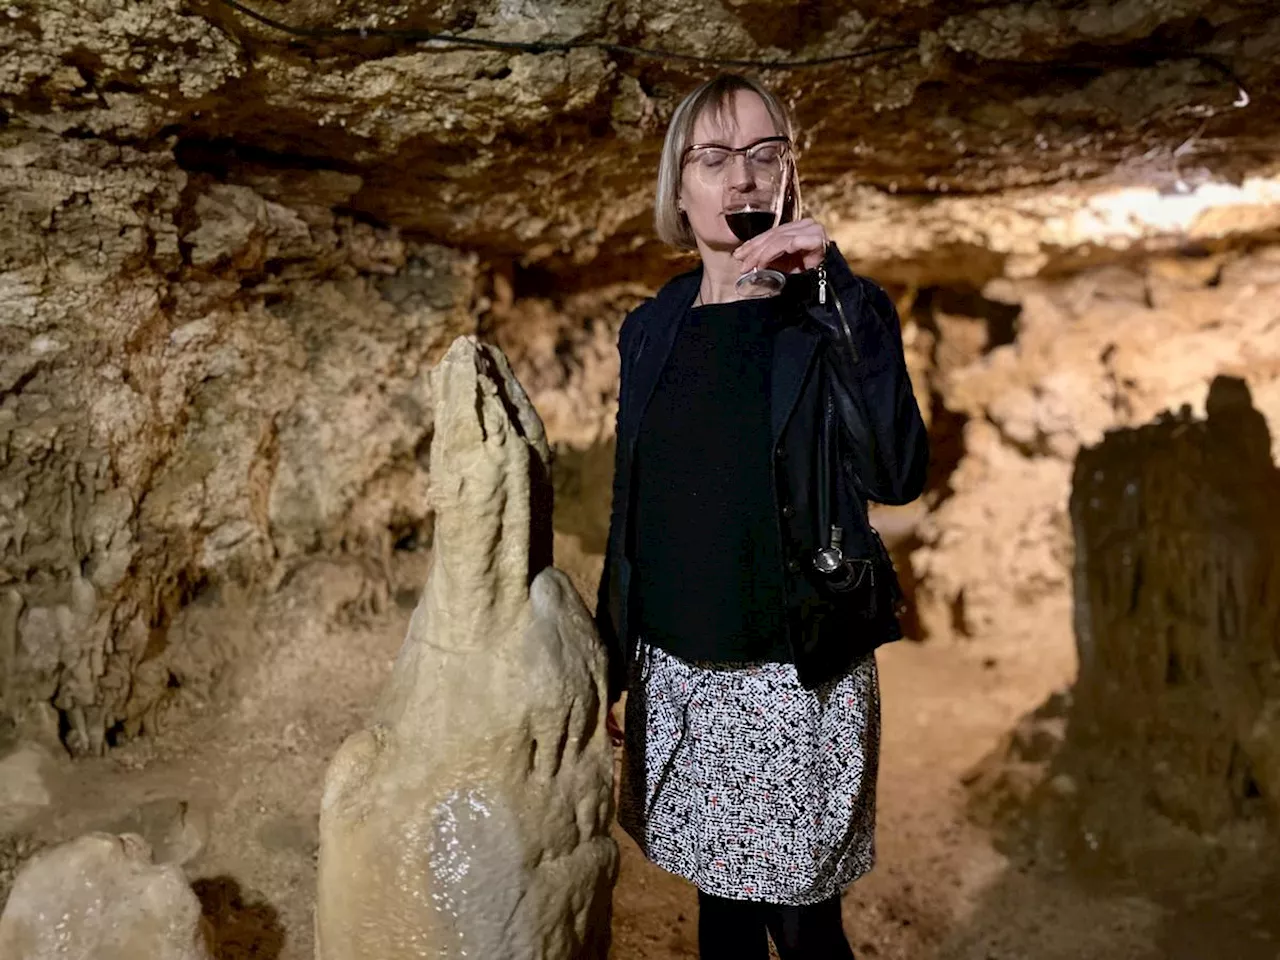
[250, 778]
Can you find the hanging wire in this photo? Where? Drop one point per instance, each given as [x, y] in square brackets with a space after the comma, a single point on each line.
[549, 46]
[408, 36]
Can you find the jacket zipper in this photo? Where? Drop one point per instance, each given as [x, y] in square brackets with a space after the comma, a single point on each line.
[844, 323]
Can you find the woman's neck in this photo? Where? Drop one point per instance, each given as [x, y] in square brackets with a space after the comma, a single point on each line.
[720, 272]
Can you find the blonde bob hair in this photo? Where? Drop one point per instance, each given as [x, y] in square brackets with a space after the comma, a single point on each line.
[670, 222]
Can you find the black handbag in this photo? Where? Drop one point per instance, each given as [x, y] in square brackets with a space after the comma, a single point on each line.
[864, 587]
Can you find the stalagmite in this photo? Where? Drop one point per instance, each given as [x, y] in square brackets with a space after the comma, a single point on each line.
[1177, 708]
[470, 818]
[99, 897]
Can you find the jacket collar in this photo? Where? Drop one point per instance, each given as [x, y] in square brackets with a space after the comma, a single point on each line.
[671, 306]
[794, 351]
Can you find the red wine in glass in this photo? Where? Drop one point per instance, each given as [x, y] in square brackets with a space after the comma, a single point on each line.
[746, 224]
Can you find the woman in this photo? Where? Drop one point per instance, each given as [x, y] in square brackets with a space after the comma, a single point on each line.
[752, 722]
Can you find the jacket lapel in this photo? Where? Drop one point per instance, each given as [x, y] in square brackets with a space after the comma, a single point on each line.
[653, 346]
[793, 352]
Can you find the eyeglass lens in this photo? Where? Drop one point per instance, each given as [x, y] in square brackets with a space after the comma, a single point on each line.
[763, 161]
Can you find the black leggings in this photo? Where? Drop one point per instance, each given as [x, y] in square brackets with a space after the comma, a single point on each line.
[739, 930]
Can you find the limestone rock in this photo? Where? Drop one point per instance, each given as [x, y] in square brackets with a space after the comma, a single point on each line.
[26, 784]
[99, 897]
[966, 241]
[1104, 349]
[471, 818]
[1178, 609]
[213, 329]
[971, 97]
[178, 433]
[173, 829]
[1163, 760]
[1003, 782]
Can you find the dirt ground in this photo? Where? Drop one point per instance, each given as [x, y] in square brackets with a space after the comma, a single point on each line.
[243, 785]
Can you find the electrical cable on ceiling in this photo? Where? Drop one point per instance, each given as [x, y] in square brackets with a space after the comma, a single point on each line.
[549, 46]
[562, 46]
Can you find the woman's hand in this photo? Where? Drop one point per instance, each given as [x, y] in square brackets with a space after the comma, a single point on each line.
[791, 247]
[612, 729]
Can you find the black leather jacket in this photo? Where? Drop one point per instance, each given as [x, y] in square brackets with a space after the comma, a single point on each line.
[886, 437]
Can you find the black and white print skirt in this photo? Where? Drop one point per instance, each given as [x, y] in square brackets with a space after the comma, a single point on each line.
[739, 779]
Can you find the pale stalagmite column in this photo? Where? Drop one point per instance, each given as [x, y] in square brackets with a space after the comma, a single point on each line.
[471, 818]
[99, 897]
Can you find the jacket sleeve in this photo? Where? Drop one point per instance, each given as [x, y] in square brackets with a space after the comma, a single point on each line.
[608, 595]
[871, 387]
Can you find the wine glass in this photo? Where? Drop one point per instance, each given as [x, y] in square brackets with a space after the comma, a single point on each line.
[750, 217]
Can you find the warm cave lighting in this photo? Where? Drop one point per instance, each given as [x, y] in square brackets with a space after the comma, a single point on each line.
[1203, 211]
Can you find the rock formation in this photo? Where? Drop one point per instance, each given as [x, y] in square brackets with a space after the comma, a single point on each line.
[26, 775]
[1028, 372]
[1177, 585]
[470, 819]
[99, 897]
[201, 385]
[224, 254]
[1165, 756]
[964, 97]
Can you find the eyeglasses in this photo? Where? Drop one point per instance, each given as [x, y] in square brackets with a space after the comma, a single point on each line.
[764, 159]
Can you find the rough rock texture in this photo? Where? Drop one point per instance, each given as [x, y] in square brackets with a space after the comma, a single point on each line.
[966, 241]
[471, 818]
[1177, 585]
[213, 325]
[1164, 758]
[199, 384]
[564, 352]
[1030, 371]
[969, 97]
[27, 774]
[100, 898]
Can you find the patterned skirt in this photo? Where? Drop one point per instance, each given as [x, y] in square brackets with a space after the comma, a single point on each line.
[739, 779]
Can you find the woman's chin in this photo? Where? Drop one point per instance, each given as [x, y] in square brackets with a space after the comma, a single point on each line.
[725, 244]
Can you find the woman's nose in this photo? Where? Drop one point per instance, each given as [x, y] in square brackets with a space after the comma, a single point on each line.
[740, 175]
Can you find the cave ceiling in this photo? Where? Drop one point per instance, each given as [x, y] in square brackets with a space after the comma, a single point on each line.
[547, 158]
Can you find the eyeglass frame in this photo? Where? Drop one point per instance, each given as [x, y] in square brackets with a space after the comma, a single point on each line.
[736, 151]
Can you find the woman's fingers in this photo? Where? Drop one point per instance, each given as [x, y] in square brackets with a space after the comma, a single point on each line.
[798, 235]
[807, 247]
[805, 238]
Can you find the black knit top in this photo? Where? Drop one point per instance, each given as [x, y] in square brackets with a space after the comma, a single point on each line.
[708, 563]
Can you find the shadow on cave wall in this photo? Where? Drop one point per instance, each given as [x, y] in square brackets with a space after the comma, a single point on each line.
[1154, 787]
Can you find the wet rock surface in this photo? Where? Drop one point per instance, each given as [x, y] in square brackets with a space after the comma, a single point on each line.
[471, 818]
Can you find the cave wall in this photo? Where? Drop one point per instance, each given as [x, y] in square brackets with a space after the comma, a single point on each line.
[1177, 587]
[229, 255]
[1028, 371]
[202, 383]
[548, 157]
